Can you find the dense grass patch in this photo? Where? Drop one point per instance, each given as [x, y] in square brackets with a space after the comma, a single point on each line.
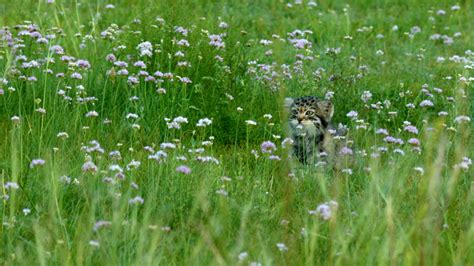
[130, 133]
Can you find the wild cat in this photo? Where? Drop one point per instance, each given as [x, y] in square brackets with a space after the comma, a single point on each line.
[311, 129]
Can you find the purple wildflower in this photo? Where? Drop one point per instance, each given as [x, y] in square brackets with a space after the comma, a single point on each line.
[426, 103]
[76, 75]
[36, 162]
[382, 131]
[89, 167]
[122, 72]
[140, 64]
[110, 58]
[216, 41]
[121, 64]
[268, 147]
[391, 139]
[185, 80]
[100, 224]
[411, 129]
[414, 141]
[57, 49]
[325, 210]
[345, 151]
[132, 80]
[84, 64]
[183, 169]
[301, 43]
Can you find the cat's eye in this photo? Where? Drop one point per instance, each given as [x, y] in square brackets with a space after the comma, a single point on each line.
[309, 113]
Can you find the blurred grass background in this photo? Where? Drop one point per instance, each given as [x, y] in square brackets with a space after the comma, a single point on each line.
[388, 215]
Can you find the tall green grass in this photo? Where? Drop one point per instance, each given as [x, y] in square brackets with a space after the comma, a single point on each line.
[388, 212]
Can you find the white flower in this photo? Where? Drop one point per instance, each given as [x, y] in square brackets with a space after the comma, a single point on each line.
[222, 192]
[161, 91]
[177, 121]
[230, 97]
[94, 243]
[419, 170]
[145, 49]
[133, 165]
[26, 211]
[137, 200]
[443, 113]
[223, 25]
[11, 185]
[159, 156]
[92, 114]
[352, 114]
[267, 116]
[207, 143]
[465, 164]
[287, 142]
[399, 151]
[62, 135]
[15, 119]
[366, 96]
[282, 247]
[133, 116]
[167, 145]
[136, 126]
[100, 224]
[41, 110]
[173, 125]
[94, 147]
[115, 168]
[243, 256]
[204, 122]
[251, 122]
[65, 179]
[205, 159]
[347, 171]
[462, 118]
[329, 95]
[181, 120]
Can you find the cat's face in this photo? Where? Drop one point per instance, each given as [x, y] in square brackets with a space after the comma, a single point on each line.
[309, 116]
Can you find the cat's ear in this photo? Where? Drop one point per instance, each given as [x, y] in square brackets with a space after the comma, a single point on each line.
[326, 109]
[288, 103]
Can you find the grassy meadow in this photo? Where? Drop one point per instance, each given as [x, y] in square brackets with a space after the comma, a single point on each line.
[136, 132]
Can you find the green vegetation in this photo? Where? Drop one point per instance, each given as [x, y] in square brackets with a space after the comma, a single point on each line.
[116, 152]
